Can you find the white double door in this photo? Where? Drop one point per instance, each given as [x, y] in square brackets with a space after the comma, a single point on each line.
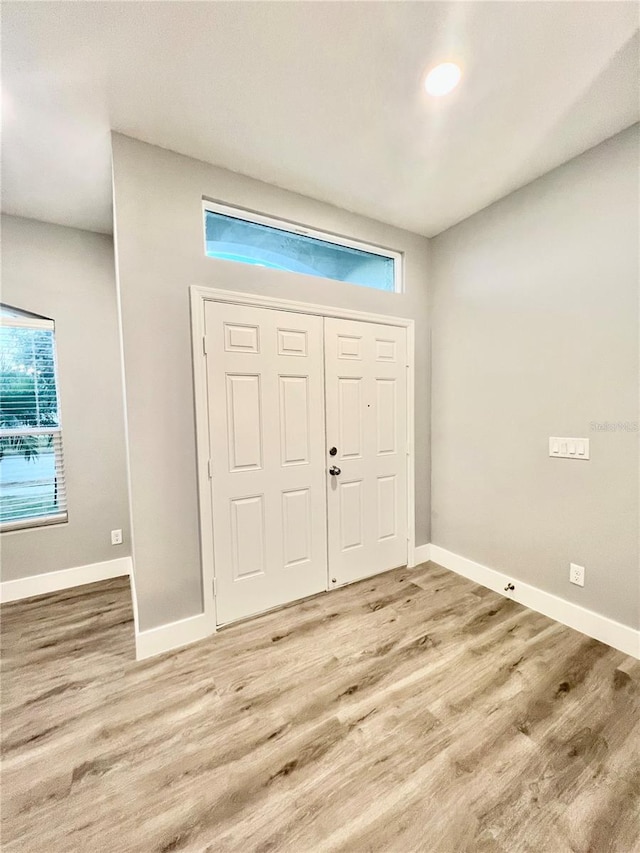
[307, 442]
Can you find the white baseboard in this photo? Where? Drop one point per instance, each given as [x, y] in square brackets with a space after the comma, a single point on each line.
[421, 554]
[608, 631]
[64, 579]
[174, 635]
[165, 638]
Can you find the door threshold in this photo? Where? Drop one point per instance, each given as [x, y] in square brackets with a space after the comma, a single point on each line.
[289, 604]
[274, 609]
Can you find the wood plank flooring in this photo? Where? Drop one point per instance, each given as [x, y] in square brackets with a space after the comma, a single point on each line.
[412, 712]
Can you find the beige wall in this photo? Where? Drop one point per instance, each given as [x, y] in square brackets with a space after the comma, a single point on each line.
[68, 275]
[535, 333]
[159, 253]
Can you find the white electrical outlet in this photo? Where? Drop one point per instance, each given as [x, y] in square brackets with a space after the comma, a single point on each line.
[576, 574]
[116, 537]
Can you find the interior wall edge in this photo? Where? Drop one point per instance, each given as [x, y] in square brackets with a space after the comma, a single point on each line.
[125, 415]
[421, 554]
[174, 635]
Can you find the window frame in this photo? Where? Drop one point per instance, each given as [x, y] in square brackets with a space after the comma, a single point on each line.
[303, 230]
[24, 320]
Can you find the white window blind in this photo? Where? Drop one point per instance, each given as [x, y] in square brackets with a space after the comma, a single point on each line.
[32, 484]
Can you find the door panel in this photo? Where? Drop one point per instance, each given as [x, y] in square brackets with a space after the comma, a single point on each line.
[294, 420]
[349, 417]
[366, 403]
[247, 536]
[387, 502]
[351, 506]
[244, 422]
[296, 527]
[386, 416]
[266, 421]
[241, 338]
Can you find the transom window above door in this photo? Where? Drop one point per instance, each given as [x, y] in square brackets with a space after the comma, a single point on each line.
[232, 234]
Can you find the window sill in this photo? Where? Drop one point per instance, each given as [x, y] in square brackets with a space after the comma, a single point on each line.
[33, 523]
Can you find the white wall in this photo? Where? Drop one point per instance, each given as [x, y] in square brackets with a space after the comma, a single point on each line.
[535, 334]
[159, 253]
[68, 275]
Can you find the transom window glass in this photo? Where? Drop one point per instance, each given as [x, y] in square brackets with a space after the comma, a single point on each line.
[234, 235]
[32, 486]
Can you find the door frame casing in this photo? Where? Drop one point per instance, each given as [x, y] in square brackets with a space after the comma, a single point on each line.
[198, 295]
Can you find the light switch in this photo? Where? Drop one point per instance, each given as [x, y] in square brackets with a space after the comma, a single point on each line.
[569, 448]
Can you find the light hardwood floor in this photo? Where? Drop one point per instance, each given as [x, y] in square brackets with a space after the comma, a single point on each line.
[412, 712]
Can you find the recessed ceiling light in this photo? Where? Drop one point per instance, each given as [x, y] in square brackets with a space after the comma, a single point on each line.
[442, 79]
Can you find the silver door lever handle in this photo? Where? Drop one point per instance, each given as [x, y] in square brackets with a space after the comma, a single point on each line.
[334, 471]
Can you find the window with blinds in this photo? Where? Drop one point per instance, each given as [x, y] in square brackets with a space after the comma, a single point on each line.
[32, 485]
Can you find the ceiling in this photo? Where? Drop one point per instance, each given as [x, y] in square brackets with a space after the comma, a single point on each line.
[323, 98]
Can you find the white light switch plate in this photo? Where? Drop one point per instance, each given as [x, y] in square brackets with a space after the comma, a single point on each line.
[569, 448]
